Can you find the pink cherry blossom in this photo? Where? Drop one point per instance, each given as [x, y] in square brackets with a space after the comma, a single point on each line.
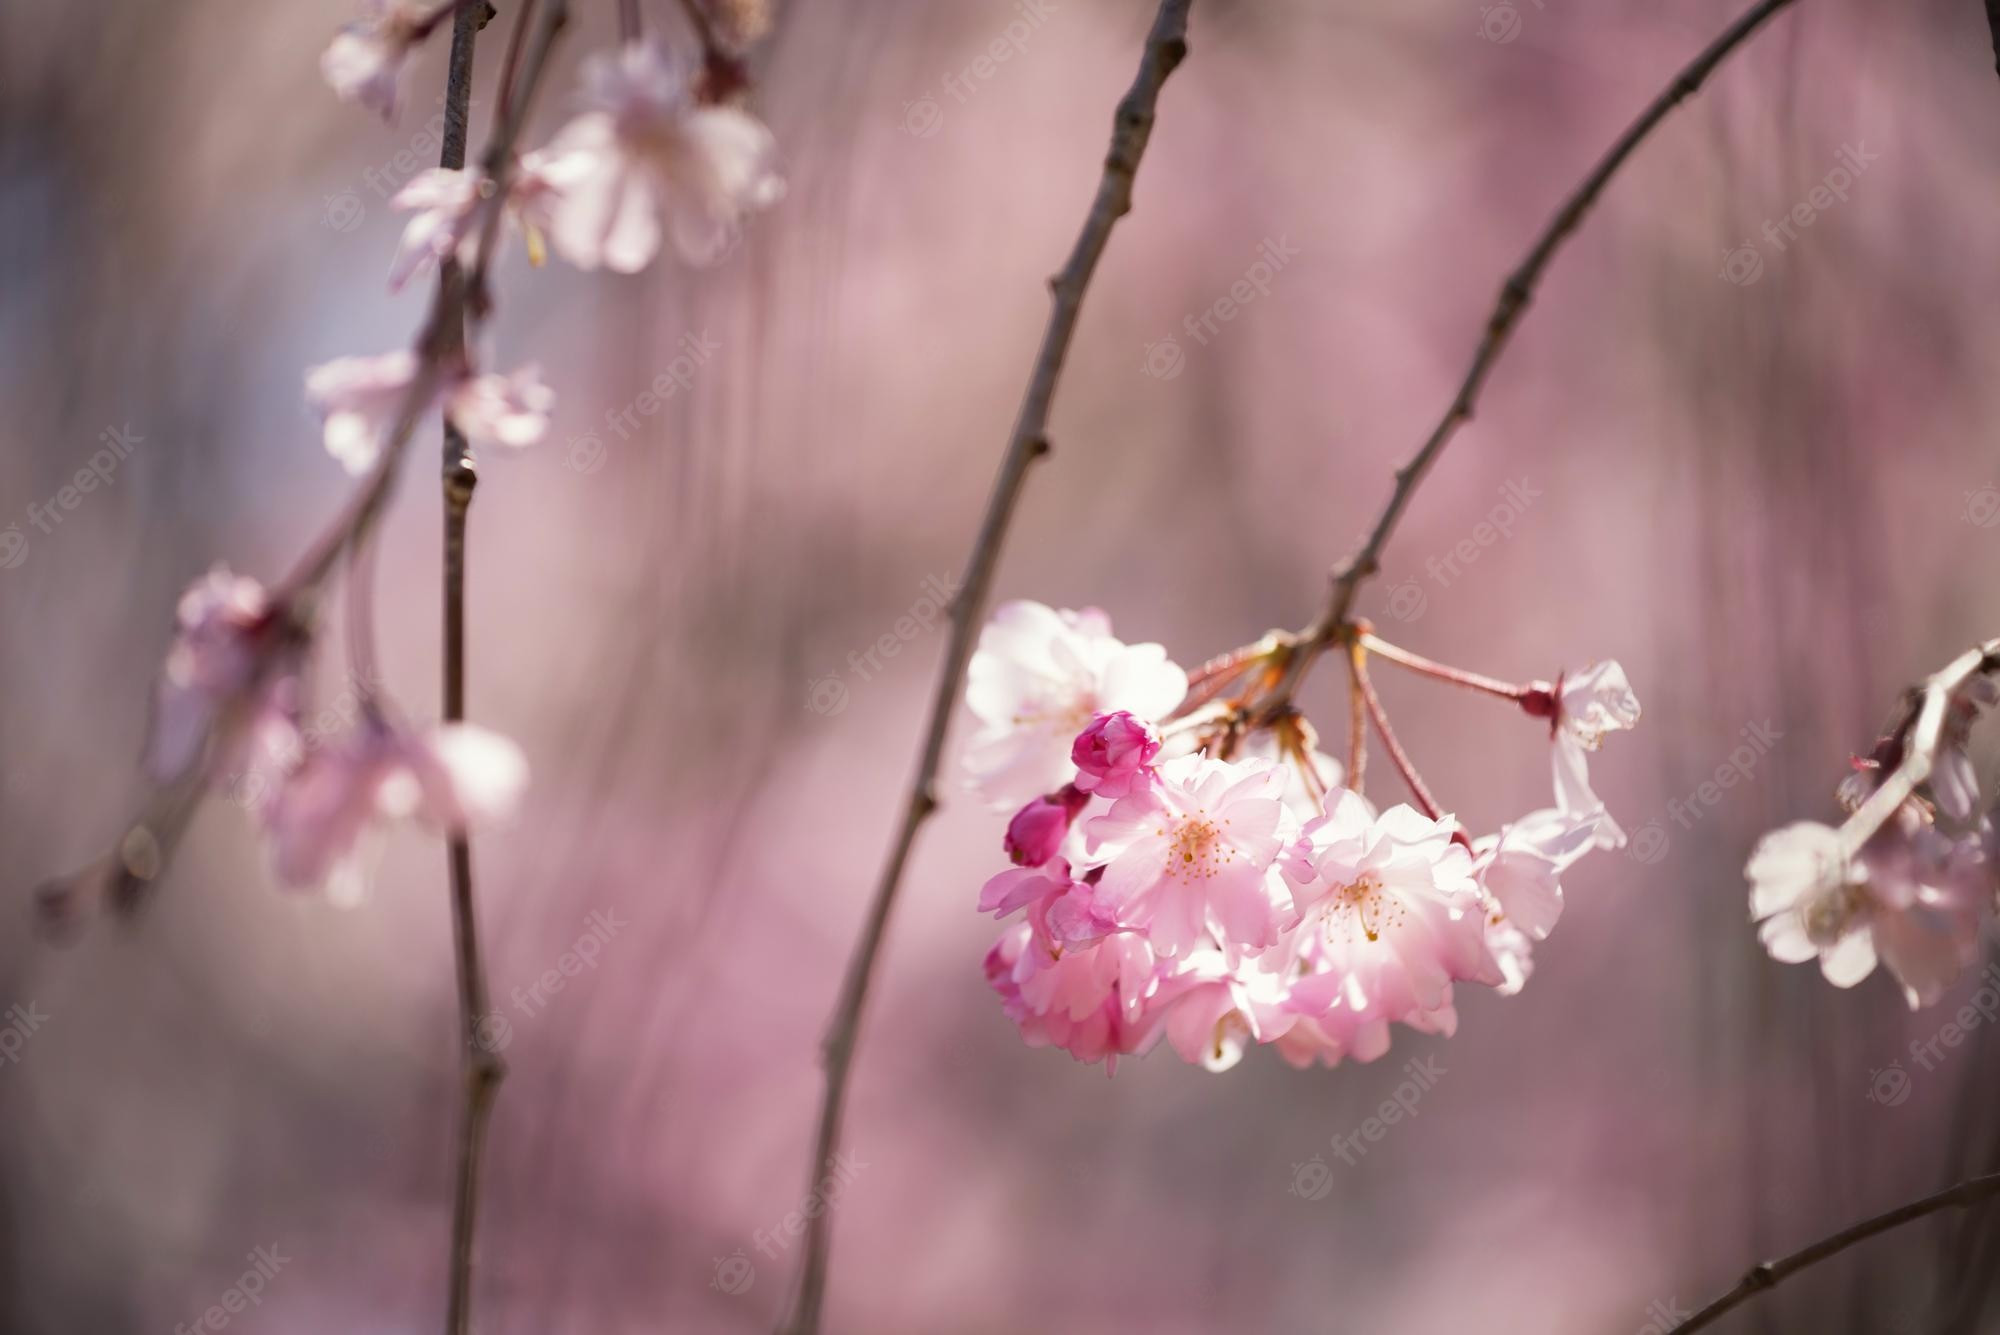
[1192, 858]
[447, 778]
[233, 659]
[1520, 867]
[1391, 916]
[1038, 829]
[511, 410]
[1588, 704]
[647, 158]
[450, 215]
[364, 62]
[1911, 898]
[1093, 1003]
[1038, 679]
[1115, 753]
[363, 399]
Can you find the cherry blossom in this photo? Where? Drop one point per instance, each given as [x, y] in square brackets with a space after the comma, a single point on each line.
[1587, 705]
[1114, 754]
[1193, 857]
[1391, 917]
[646, 157]
[449, 213]
[364, 62]
[233, 657]
[363, 399]
[1038, 679]
[1038, 829]
[447, 778]
[1912, 899]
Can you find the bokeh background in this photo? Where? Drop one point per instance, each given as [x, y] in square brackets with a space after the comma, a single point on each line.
[1766, 482]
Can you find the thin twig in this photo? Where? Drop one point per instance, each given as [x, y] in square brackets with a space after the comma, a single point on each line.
[1357, 724]
[1993, 25]
[1515, 294]
[1474, 681]
[1401, 758]
[1771, 1273]
[1132, 126]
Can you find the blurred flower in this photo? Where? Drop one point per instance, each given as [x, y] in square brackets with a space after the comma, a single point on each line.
[1192, 858]
[363, 399]
[448, 778]
[646, 151]
[450, 212]
[1912, 898]
[231, 660]
[364, 62]
[1038, 679]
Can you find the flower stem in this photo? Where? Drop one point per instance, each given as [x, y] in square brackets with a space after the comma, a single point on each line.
[1364, 690]
[1441, 672]
[1132, 127]
[1357, 720]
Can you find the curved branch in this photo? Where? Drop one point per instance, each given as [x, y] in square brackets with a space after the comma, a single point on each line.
[1132, 127]
[1515, 294]
[1770, 1274]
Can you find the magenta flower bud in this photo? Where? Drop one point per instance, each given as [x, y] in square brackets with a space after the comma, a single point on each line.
[1114, 754]
[1036, 833]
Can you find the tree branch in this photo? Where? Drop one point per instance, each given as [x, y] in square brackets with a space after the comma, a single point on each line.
[1132, 127]
[1515, 294]
[1770, 1274]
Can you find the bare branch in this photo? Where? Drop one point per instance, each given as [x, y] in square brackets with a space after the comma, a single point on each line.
[1132, 127]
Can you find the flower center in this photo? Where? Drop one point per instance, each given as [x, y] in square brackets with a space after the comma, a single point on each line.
[1364, 902]
[1196, 849]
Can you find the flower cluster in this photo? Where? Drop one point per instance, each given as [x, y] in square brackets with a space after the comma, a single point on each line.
[652, 153]
[1191, 870]
[1910, 877]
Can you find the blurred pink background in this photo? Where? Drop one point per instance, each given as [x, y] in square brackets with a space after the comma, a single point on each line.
[1771, 494]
